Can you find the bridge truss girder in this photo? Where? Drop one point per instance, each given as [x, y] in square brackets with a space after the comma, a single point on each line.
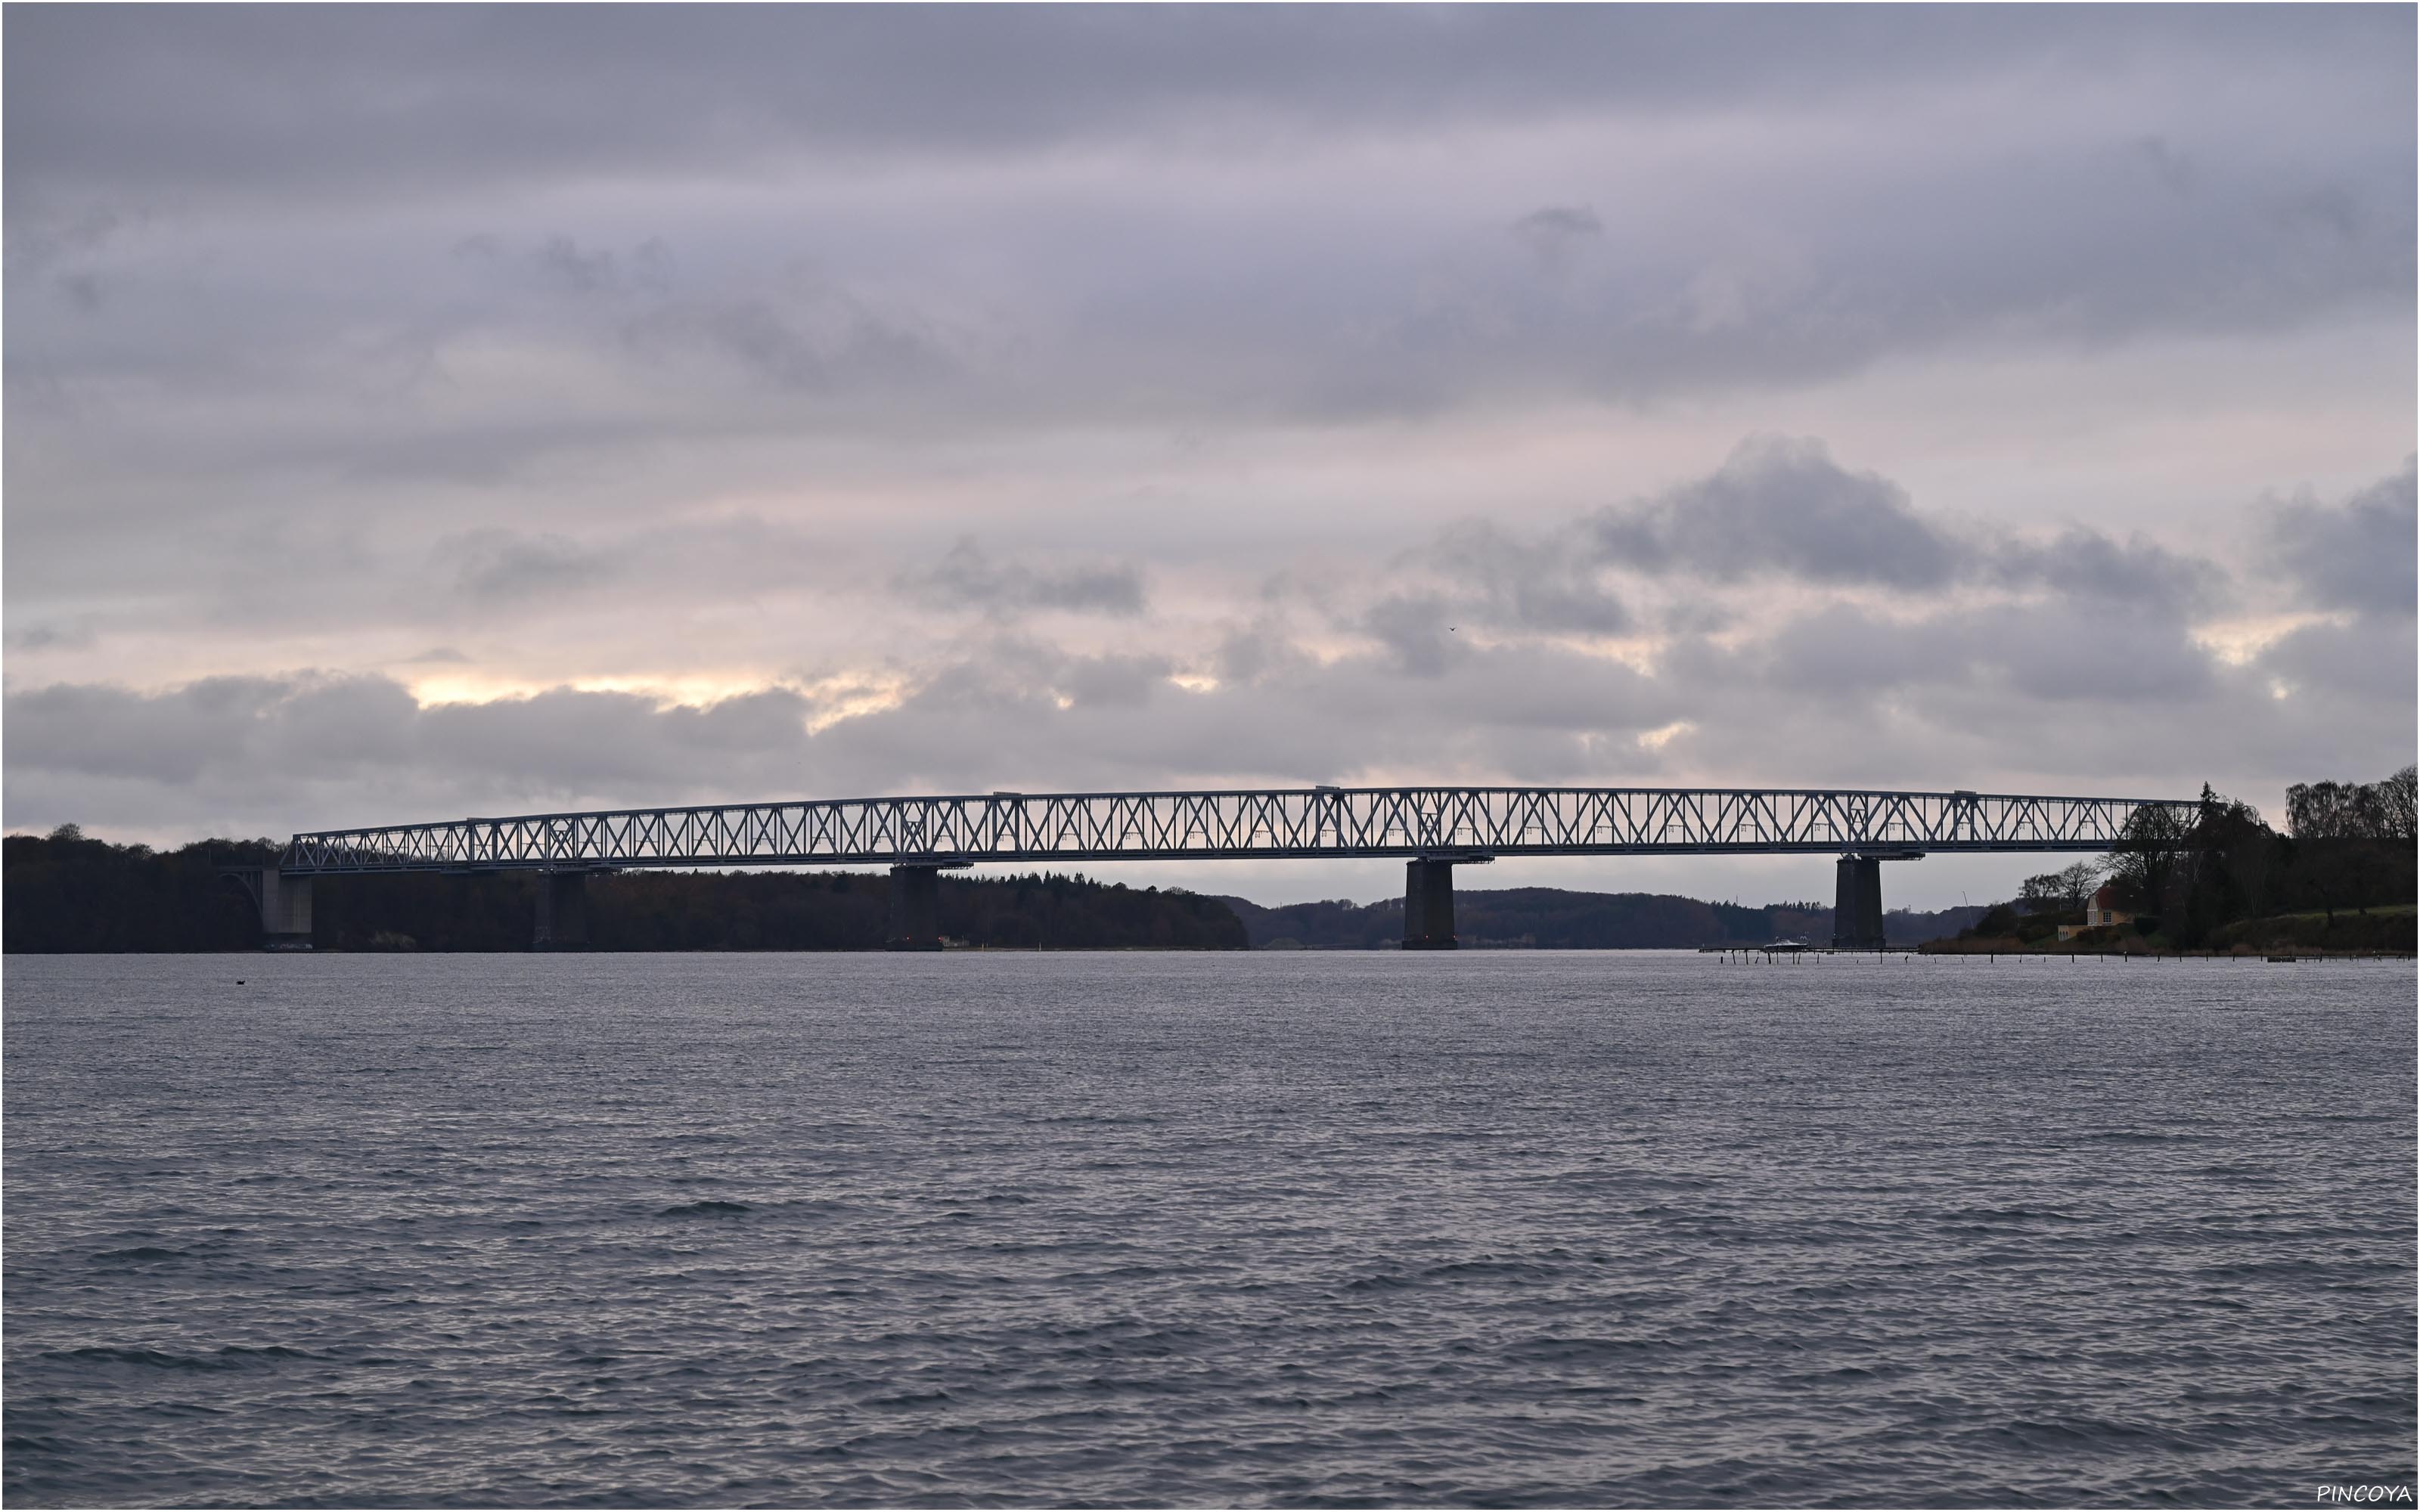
[1238, 825]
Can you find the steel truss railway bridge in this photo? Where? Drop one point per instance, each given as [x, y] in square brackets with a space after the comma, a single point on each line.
[1432, 829]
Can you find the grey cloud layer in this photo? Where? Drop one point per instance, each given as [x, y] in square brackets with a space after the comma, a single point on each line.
[501, 348]
[2359, 555]
[1781, 509]
[969, 578]
[1942, 679]
[431, 97]
[1782, 504]
[1861, 698]
[1069, 215]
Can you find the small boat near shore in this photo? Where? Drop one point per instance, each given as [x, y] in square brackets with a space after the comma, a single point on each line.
[1786, 945]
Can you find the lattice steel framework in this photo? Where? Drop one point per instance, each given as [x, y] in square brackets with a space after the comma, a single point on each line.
[1442, 822]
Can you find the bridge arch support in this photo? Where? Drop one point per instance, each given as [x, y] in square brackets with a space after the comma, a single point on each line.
[916, 905]
[283, 903]
[1428, 902]
[561, 911]
[1858, 899]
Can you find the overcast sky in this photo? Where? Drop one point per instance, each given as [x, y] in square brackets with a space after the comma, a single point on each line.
[420, 413]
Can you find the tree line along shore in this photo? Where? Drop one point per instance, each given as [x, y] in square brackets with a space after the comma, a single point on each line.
[2341, 877]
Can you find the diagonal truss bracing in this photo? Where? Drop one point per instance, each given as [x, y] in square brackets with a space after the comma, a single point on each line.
[1235, 826]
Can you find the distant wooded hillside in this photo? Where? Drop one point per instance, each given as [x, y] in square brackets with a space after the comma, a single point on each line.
[1552, 919]
[66, 893]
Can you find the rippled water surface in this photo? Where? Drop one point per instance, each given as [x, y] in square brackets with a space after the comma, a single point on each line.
[1294, 1229]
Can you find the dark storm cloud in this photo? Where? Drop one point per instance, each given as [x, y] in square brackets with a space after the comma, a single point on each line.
[226, 735]
[500, 566]
[1556, 233]
[1781, 504]
[167, 738]
[1413, 628]
[218, 726]
[1263, 648]
[38, 248]
[2370, 659]
[2084, 692]
[1557, 223]
[1780, 508]
[1002, 719]
[390, 98]
[491, 574]
[1538, 586]
[809, 339]
[49, 637]
[563, 264]
[1096, 681]
[1493, 584]
[604, 740]
[2357, 556]
[2061, 652]
[2137, 571]
[969, 578]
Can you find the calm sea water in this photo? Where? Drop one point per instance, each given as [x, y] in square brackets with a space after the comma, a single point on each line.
[1282, 1230]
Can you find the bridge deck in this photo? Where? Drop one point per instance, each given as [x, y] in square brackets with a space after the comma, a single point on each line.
[1298, 822]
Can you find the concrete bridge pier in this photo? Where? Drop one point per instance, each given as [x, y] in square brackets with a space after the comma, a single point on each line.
[1858, 904]
[561, 911]
[284, 904]
[1428, 902]
[915, 908]
[1857, 900]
